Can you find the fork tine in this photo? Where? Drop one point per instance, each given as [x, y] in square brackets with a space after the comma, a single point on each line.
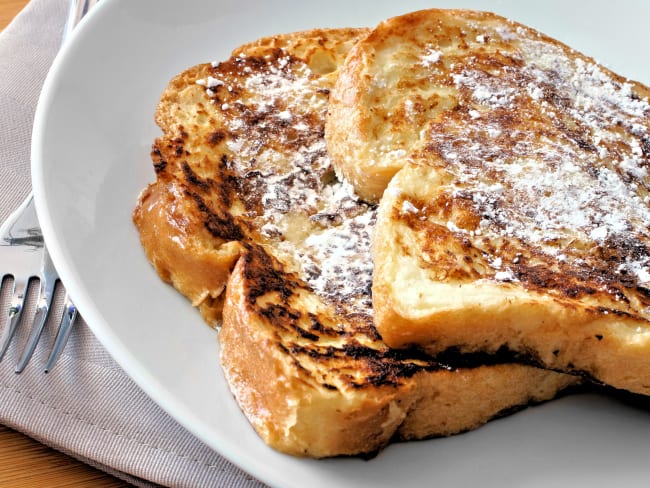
[46, 293]
[65, 327]
[15, 312]
[44, 302]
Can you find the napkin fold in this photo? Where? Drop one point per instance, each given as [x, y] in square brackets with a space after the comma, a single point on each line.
[87, 407]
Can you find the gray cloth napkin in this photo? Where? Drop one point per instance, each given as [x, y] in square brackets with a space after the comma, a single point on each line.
[87, 407]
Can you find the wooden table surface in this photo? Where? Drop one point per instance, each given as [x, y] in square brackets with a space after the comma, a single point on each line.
[24, 462]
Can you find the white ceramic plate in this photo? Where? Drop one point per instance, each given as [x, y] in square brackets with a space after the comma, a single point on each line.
[91, 145]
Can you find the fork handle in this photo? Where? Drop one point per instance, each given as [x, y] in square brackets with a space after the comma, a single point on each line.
[77, 10]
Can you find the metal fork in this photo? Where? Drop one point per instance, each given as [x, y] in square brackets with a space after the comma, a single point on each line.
[22, 245]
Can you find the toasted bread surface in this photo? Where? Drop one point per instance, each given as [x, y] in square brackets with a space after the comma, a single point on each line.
[218, 165]
[520, 217]
[477, 69]
[436, 286]
[244, 181]
[317, 383]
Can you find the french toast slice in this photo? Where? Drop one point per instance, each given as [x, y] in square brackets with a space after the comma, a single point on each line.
[461, 66]
[247, 219]
[519, 218]
[226, 142]
[316, 382]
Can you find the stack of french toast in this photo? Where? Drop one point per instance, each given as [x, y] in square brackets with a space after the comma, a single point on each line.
[406, 231]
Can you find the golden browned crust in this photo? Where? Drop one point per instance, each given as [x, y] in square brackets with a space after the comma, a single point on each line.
[522, 217]
[208, 196]
[418, 300]
[407, 73]
[313, 388]
[177, 246]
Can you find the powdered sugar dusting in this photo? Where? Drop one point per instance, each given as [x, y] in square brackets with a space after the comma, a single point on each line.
[486, 90]
[338, 263]
[554, 150]
[314, 223]
[431, 56]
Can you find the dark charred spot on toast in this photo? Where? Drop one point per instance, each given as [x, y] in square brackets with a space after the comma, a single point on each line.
[359, 366]
[280, 314]
[274, 58]
[386, 372]
[617, 248]
[360, 324]
[166, 152]
[457, 357]
[227, 186]
[460, 357]
[581, 140]
[216, 137]
[555, 98]
[193, 179]
[611, 311]
[219, 223]
[283, 316]
[317, 327]
[250, 190]
[182, 135]
[540, 277]
[645, 146]
[159, 163]
[276, 312]
[266, 275]
[234, 187]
